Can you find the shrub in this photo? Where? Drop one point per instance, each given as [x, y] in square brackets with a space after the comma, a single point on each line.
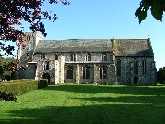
[19, 87]
[8, 97]
[42, 83]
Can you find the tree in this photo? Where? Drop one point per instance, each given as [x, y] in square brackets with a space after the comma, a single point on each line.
[157, 8]
[7, 67]
[31, 11]
[161, 75]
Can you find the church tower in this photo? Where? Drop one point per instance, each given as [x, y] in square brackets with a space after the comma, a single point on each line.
[27, 47]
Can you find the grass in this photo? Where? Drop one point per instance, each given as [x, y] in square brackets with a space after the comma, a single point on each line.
[87, 104]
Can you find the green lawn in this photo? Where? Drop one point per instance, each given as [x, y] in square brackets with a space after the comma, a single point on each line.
[87, 104]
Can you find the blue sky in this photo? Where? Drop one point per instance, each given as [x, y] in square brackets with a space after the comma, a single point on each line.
[92, 19]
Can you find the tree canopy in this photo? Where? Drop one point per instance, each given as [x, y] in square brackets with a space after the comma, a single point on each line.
[7, 67]
[161, 75]
[31, 11]
[157, 7]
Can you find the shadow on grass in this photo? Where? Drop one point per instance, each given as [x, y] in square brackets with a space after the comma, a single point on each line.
[94, 114]
[148, 109]
[152, 100]
[135, 90]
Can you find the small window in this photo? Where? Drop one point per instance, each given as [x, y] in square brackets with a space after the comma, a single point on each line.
[104, 57]
[103, 72]
[88, 57]
[86, 72]
[73, 57]
[56, 57]
[28, 38]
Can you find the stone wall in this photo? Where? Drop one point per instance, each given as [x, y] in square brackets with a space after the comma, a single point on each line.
[127, 71]
[80, 57]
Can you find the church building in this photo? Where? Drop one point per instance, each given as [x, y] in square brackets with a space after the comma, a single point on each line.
[101, 61]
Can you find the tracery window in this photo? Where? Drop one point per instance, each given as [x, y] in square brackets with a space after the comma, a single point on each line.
[56, 57]
[46, 65]
[135, 67]
[73, 57]
[28, 38]
[144, 66]
[42, 56]
[88, 57]
[86, 72]
[69, 72]
[103, 72]
[118, 67]
[104, 57]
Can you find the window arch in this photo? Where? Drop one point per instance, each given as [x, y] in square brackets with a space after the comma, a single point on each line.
[69, 72]
[46, 65]
[86, 72]
[103, 72]
[28, 38]
[73, 57]
[88, 57]
[135, 67]
[42, 56]
[118, 67]
[56, 57]
[104, 57]
[144, 65]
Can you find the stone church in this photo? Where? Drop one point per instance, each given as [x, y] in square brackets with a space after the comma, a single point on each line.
[101, 61]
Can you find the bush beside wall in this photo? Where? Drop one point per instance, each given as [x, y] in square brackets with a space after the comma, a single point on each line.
[20, 87]
[42, 83]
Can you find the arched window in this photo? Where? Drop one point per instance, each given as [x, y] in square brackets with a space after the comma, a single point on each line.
[144, 65]
[104, 57]
[56, 57]
[28, 37]
[46, 65]
[69, 72]
[88, 57]
[42, 56]
[73, 57]
[103, 72]
[86, 72]
[118, 67]
[135, 67]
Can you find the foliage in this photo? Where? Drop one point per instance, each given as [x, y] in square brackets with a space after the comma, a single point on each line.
[42, 83]
[19, 87]
[7, 66]
[14, 11]
[8, 96]
[157, 7]
[161, 75]
[87, 104]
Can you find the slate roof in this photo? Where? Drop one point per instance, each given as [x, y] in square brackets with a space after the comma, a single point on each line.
[120, 47]
[132, 47]
[74, 45]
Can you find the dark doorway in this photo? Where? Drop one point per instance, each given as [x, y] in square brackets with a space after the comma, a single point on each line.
[46, 76]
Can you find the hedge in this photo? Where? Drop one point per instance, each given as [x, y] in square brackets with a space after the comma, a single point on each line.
[20, 87]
